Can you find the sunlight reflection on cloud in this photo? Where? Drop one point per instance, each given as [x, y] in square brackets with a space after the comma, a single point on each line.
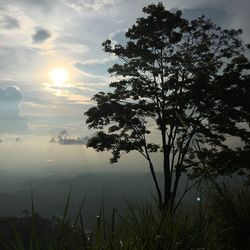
[68, 91]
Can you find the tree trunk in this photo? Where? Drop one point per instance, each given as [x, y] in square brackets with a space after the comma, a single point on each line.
[158, 190]
[166, 168]
[176, 182]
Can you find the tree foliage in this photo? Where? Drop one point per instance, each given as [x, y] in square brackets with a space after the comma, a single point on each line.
[188, 81]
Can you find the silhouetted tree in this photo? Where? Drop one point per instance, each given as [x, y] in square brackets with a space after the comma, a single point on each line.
[188, 82]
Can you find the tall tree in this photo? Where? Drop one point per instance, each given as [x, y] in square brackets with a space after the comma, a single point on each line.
[188, 81]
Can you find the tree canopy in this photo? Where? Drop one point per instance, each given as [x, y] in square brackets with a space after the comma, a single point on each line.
[189, 82]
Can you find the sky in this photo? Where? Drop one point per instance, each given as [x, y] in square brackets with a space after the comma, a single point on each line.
[38, 36]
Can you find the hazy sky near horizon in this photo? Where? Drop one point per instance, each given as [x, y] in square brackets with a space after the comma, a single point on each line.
[37, 36]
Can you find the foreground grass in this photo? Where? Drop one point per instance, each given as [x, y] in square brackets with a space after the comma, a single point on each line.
[222, 223]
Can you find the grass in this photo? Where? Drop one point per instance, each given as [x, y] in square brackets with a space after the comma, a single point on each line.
[230, 213]
[223, 223]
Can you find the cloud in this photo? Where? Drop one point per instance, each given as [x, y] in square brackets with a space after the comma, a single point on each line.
[8, 22]
[43, 5]
[64, 139]
[119, 37]
[98, 61]
[236, 13]
[72, 50]
[87, 5]
[11, 119]
[99, 69]
[41, 35]
[70, 93]
[49, 160]
[218, 16]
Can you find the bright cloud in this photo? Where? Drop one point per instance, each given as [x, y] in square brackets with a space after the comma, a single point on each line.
[87, 5]
[11, 119]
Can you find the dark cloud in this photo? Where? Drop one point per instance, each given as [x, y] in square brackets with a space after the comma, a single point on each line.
[41, 35]
[64, 139]
[217, 16]
[227, 13]
[11, 119]
[8, 22]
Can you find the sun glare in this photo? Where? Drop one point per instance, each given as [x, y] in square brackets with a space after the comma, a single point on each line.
[59, 76]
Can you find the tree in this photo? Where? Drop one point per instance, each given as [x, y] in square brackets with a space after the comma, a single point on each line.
[188, 81]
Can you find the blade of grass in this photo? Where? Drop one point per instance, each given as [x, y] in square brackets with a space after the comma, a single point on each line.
[34, 231]
[18, 239]
[59, 241]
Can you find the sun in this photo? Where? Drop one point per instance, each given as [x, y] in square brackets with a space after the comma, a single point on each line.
[59, 76]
